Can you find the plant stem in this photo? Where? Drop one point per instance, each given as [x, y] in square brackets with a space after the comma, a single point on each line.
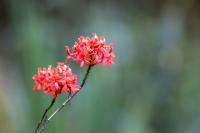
[67, 100]
[44, 114]
[86, 76]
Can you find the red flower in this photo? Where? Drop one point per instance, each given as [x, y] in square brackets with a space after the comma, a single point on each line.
[91, 51]
[55, 80]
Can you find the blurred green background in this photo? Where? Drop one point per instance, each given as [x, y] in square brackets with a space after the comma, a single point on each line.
[153, 87]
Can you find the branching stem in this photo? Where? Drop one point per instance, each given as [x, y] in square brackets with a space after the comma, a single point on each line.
[44, 124]
[44, 115]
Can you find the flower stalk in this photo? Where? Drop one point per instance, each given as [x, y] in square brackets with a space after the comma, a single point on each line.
[88, 51]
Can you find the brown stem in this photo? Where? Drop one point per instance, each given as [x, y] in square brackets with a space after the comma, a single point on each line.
[85, 77]
[67, 100]
[44, 115]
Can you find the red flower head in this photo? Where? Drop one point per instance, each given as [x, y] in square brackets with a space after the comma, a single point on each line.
[91, 51]
[56, 80]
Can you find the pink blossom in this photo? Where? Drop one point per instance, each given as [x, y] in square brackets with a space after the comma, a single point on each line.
[55, 80]
[91, 51]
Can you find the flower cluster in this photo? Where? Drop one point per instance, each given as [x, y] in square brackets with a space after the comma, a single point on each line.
[86, 50]
[55, 80]
[91, 51]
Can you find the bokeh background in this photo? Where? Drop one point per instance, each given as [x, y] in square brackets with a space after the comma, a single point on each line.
[153, 87]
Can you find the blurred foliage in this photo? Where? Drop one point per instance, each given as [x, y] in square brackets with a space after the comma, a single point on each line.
[153, 87]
